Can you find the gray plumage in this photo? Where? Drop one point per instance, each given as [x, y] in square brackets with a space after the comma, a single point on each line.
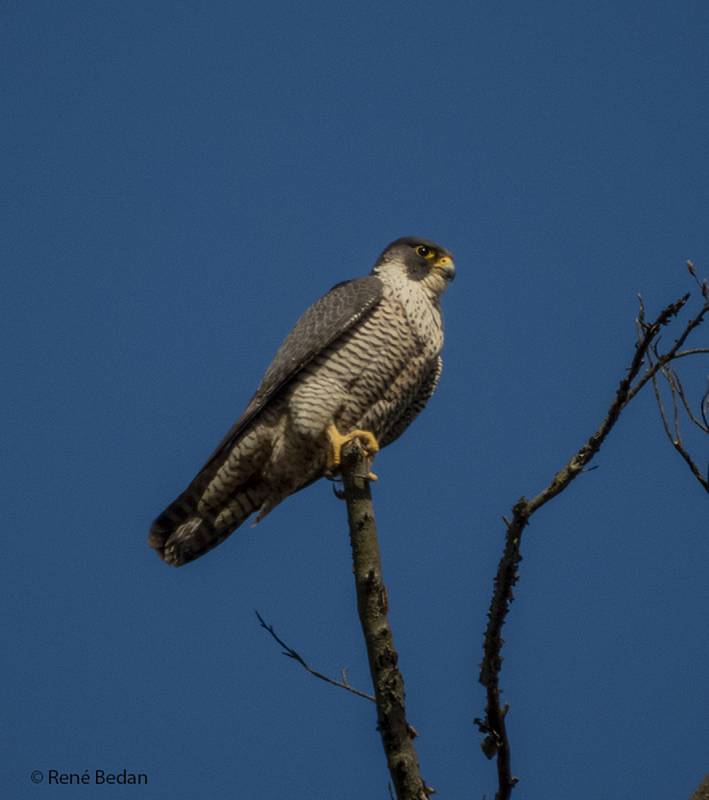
[364, 356]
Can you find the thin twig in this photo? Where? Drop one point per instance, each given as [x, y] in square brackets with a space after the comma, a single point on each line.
[496, 742]
[675, 405]
[674, 435]
[702, 284]
[671, 354]
[372, 604]
[692, 351]
[661, 408]
[295, 655]
[676, 385]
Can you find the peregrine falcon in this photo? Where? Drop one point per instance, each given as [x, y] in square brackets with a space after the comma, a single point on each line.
[360, 363]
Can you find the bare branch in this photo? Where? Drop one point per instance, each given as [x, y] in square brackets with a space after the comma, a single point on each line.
[372, 603]
[676, 385]
[496, 743]
[667, 373]
[671, 354]
[674, 435]
[703, 285]
[661, 408]
[692, 351]
[624, 394]
[291, 653]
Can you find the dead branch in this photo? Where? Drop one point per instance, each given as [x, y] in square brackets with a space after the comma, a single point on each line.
[676, 386]
[496, 741]
[397, 734]
[295, 655]
[673, 433]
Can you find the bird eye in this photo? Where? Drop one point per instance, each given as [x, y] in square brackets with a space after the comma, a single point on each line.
[424, 251]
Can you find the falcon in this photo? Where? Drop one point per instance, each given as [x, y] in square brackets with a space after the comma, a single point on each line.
[360, 363]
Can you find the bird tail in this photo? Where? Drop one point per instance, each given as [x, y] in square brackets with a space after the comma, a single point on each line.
[184, 532]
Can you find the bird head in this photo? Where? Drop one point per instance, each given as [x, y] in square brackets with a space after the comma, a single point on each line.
[420, 260]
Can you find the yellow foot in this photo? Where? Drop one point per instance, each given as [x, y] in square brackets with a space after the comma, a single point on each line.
[338, 441]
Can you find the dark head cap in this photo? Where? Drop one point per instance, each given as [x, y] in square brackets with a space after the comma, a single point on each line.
[419, 254]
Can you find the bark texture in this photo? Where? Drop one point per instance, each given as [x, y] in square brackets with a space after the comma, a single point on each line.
[397, 735]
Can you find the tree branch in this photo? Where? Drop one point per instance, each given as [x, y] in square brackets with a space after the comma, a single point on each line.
[397, 735]
[692, 351]
[496, 742]
[295, 655]
[672, 353]
[674, 434]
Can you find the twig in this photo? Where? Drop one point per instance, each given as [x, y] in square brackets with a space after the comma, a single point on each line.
[671, 354]
[295, 655]
[496, 742]
[692, 351]
[676, 386]
[674, 435]
[372, 604]
[661, 408]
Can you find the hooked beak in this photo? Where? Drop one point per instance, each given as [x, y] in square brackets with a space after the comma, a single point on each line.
[447, 267]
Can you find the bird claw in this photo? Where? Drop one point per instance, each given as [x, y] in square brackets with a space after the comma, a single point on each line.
[337, 441]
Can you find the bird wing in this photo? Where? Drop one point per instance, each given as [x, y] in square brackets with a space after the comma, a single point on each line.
[324, 322]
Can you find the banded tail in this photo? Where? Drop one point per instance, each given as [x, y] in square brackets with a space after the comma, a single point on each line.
[184, 532]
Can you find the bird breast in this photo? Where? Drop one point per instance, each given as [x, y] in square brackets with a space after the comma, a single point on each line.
[421, 314]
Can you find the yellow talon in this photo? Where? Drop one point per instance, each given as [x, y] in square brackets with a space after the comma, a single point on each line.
[338, 441]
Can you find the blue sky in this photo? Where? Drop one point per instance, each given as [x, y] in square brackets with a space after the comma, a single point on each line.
[180, 181]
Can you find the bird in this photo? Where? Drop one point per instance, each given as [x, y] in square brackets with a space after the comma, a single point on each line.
[360, 363]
